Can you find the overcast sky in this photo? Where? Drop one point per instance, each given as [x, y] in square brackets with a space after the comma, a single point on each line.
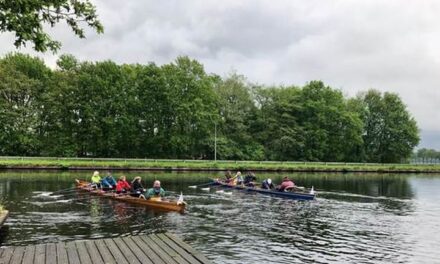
[350, 44]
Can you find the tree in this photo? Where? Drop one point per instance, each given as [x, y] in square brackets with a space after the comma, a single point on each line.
[425, 153]
[191, 109]
[308, 123]
[22, 85]
[390, 133]
[275, 124]
[332, 132]
[237, 108]
[27, 18]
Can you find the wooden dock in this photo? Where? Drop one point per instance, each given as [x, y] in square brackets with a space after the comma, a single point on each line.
[155, 248]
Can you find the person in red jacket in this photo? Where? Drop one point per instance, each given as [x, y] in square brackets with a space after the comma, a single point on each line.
[122, 186]
[287, 183]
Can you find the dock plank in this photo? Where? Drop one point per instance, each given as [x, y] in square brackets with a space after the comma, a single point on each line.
[18, 255]
[189, 249]
[169, 250]
[160, 252]
[128, 254]
[93, 252]
[105, 252]
[143, 258]
[183, 253]
[51, 253]
[40, 253]
[29, 253]
[144, 249]
[147, 250]
[61, 253]
[7, 255]
[117, 254]
[72, 253]
[84, 256]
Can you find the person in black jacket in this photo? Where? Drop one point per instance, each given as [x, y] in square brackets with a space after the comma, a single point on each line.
[136, 187]
[267, 184]
[250, 179]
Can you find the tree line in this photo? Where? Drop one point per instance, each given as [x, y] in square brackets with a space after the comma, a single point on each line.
[103, 109]
[425, 153]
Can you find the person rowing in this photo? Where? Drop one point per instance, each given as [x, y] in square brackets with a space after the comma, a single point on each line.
[108, 182]
[136, 187]
[228, 177]
[122, 186]
[96, 180]
[238, 179]
[286, 185]
[156, 193]
[250, 179]
[267, 184]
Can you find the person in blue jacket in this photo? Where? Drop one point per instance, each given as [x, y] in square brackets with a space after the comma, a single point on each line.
[108, 181]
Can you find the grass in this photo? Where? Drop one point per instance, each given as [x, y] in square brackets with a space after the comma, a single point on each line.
[141, 164]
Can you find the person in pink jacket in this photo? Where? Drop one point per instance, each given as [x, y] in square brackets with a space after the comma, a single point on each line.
[287, 183]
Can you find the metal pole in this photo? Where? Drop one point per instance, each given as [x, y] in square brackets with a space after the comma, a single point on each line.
[215, 142]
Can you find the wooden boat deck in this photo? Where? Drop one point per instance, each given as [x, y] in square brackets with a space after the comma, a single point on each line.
[155, 248]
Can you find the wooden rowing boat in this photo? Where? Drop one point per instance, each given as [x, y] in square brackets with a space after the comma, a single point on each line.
[161, 205]
[290, 194]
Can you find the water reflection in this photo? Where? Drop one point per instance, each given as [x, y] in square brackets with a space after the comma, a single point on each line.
[356, 218]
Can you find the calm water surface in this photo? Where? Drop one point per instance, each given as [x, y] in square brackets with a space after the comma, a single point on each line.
[356, 218]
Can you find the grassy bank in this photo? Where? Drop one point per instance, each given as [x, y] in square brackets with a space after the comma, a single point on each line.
[147, 164]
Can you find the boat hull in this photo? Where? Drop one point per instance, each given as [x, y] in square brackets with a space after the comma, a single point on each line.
[288, 195]
[161, 205]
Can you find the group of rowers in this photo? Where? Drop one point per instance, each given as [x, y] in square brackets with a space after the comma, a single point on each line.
[122, 186]
[250, 181]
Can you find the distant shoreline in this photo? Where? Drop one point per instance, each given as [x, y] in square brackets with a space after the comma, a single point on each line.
[202, 165]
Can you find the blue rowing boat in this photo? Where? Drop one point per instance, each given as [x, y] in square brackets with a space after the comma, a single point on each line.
[289, 195]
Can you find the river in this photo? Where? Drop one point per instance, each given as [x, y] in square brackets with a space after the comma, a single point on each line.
[356, 218]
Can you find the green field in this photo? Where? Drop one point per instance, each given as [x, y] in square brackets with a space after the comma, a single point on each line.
[146, 164]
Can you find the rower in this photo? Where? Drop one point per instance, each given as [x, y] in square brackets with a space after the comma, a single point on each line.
[250, 179]
[286, 184]
[96, 180]
[238, 179]
[136, 187]
[108, 182]
[155, 193]
[228, 176]
[267, 184]
[122, 186]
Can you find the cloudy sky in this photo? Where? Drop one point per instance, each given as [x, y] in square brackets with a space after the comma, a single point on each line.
[353, 45]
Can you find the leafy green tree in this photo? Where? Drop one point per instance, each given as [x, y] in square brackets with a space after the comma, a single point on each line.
[425, 153]
[22, 86]
[191, 104]
[237, 109]
[328, 124]
[27, 18]
[390, 133]
[275, 124]
[309, 123]
[104, 109]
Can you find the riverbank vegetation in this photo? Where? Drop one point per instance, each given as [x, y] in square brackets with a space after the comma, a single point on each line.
[177, 111]
[202, 165]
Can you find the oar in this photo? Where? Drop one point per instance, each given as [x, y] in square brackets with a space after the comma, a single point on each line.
[67, 190]
[200, 185]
